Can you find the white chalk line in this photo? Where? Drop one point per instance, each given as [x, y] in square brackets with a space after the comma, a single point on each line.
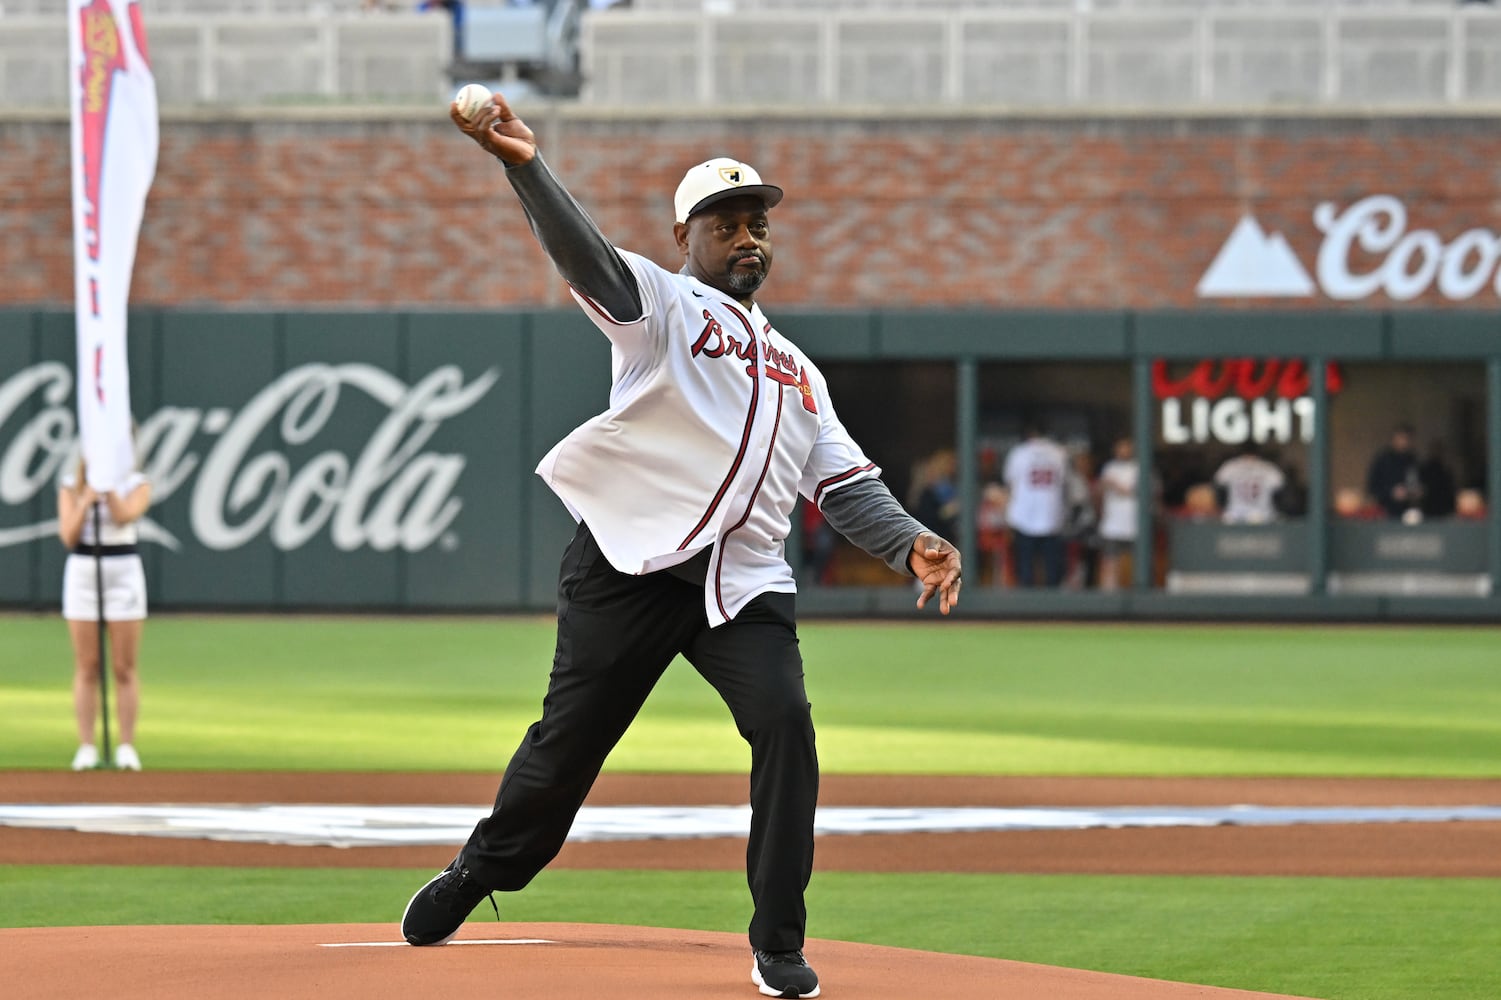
[395, 826]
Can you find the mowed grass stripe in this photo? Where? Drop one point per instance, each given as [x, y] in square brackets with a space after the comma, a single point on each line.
[304, 693]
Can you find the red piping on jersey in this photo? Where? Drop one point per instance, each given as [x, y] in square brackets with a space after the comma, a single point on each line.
[749, 506]
[836, 480]
[601, 309]
[750, 419]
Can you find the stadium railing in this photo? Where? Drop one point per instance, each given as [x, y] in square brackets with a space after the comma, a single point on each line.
[252, 58]
[751, 6]
[155, 8]
[1044, 54]
[1117, 56]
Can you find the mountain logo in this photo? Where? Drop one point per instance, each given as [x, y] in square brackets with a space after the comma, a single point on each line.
[1254, 263]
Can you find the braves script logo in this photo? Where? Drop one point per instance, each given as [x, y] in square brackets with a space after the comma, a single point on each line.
[103, 57]
[243, 482]
[713, 342]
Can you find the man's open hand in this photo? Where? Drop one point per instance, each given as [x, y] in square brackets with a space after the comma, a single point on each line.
[935, 563]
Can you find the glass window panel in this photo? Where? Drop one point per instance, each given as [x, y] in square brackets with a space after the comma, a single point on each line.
[1046, 526]
[1407, 462]
[901, 414]
[1233, 438]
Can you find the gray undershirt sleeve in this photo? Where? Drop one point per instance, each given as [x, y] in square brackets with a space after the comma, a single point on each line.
[579, 251]
[867, 514]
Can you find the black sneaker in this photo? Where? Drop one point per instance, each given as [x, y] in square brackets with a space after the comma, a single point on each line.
[438, 910]
[784, 974]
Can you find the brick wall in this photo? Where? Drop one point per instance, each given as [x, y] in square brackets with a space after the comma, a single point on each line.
[1121, 213]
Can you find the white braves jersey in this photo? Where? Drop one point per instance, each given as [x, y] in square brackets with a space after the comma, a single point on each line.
[1249, 483]
[716, 424]
[1036, 473]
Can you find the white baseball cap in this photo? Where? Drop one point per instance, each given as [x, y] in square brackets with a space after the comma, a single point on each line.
[718, 179]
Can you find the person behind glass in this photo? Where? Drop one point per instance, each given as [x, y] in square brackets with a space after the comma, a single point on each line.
[938, 503]
[1081, 538]
[455, 11]
[1352, 505]
[1436, 482]
[1292, 498]
[819, 544]
[1036, 473]
[1247, 486]
[1469, 505]
[993, 536]
[1392, 479]
[1118, 511]
[124, 589]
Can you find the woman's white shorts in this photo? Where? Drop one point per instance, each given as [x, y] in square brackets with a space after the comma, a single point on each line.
[124, 589]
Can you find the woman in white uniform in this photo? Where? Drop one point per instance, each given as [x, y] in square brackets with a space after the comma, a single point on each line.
[124, 603]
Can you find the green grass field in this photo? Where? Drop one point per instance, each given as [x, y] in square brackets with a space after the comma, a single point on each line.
[941, 697]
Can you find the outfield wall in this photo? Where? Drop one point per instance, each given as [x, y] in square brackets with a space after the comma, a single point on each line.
[360, 208]
[952, 272]
[339, 460]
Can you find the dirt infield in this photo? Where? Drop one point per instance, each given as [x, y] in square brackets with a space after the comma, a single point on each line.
[1388, 849]
[578, 962]
[586, 961]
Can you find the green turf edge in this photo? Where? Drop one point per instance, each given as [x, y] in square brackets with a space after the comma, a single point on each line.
[372, 694]
[1340, 939]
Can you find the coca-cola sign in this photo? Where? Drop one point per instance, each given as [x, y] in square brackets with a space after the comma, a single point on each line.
[237, 469]
[1369, 247]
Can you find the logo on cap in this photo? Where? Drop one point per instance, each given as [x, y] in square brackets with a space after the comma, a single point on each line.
[732, 175]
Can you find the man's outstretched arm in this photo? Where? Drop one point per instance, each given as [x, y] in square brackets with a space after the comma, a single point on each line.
[579, 251]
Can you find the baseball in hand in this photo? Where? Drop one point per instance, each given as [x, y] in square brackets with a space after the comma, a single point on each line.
[471, 98]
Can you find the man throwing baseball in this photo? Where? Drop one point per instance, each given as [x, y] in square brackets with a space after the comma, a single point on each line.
[683, 489]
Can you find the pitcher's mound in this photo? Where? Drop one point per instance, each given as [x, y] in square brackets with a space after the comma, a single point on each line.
[556, 961]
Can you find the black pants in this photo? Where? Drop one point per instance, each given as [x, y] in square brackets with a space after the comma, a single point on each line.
[1024, 551]
[616, 635]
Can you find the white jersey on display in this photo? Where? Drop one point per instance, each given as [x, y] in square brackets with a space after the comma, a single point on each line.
[1250, 484]
[733, 423]
[1036, 473]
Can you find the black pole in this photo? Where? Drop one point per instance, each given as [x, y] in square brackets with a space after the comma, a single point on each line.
[966, 442]
[105, 757]
[1143, 426]
[1318, 478]
[1493, 471]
